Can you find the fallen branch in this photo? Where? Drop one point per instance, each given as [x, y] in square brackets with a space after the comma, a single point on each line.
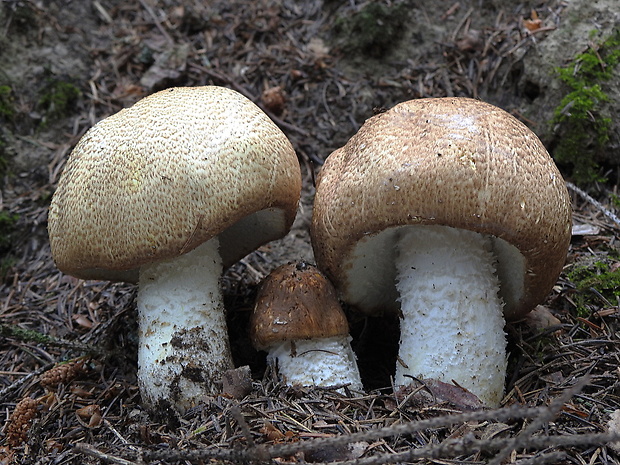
[4, 393]
[605, 211]
[28, 335]
[87, 449]
[451, 447]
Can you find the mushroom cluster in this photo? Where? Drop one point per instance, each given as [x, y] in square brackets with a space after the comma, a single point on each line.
[450, 212]
[167, 193]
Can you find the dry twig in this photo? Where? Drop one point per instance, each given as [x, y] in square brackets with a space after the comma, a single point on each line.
[587, 197]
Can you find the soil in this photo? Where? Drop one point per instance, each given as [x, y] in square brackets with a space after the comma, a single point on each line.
[68, 347]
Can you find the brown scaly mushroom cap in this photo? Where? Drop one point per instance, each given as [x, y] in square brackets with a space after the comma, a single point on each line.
[296, 302]
[298, 320]
[450, 161]
[160, 178]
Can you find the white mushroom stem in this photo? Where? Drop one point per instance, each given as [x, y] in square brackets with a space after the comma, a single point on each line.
[452, 324]
[183, 340]
[319, 362]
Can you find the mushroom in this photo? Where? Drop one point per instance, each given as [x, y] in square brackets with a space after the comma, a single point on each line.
[167, 193]
[451, 212]
[298, 320]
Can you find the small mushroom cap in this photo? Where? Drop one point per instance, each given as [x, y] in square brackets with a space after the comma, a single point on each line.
[296, 302]
[156, 180]
[449, 161]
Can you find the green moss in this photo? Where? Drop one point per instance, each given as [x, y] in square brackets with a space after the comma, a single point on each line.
[7, 105]
[57, 98]
[7, 113]
[596, 284]
[7, 227]
[25, 335]
[6, 263]
[372, 31]
[582, 126]
[3, 156]
[8, 222]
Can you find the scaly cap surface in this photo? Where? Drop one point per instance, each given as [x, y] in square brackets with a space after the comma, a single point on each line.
[155, 180]
[296, 302]
[453, 161]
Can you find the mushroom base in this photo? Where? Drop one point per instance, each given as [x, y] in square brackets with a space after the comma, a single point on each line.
[320, 362]
[452, 326]
[183, 349]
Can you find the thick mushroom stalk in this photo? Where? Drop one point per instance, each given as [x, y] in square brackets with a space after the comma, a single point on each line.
[183, 339]
[451, 316]
[298, 320]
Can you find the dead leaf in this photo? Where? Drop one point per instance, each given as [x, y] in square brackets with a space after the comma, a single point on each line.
[472, 41]
[585, 230]
[168, 67]
[318, 48]
[493, 430]
[337, 453]
[273, 99]
[456, 395]
[90, 414]
[272, 433]
[534, 23]
[541, 318]
[237, 383]
[83, 321]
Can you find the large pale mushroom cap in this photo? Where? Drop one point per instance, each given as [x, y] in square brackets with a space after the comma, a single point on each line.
[451, 161]
[159, 178]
